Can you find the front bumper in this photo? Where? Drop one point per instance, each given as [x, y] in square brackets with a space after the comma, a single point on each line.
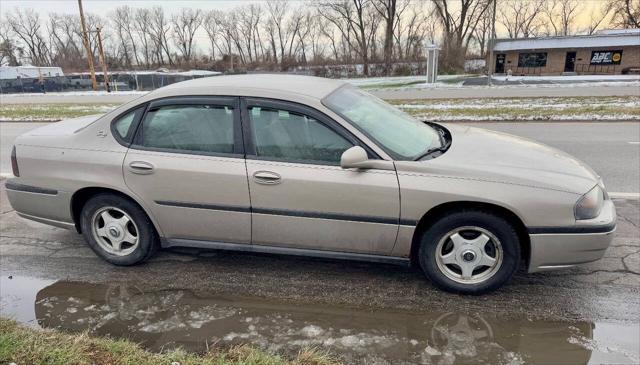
[585, 242]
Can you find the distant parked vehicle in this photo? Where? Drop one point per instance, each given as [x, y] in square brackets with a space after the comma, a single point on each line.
[313, 167]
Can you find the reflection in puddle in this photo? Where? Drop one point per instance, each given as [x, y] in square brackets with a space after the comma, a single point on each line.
[183, 318]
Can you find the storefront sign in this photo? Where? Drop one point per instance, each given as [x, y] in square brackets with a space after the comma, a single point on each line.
[606, 57]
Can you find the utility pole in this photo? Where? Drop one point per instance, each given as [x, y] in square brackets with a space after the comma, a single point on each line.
[492, 43]
[85, 37]
[107, 86]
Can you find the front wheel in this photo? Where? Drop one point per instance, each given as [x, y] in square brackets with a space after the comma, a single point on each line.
[470, 252]
[118, 230]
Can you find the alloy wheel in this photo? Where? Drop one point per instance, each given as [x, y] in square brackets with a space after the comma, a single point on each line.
[469, 255]
[115, 231]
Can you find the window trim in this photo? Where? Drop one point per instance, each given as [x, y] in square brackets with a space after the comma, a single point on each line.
[289, 106]
[217, 101]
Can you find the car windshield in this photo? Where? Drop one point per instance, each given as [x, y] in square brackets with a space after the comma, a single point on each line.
[399, 134]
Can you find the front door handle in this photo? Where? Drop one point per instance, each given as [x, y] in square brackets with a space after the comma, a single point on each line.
[141, 167]
[266, 178]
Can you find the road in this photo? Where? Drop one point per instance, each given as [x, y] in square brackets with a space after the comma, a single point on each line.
[441, 92]
[611, 148]
[511, 91]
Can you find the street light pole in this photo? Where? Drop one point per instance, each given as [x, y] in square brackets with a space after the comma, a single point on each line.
[85, 38]
[492, 41]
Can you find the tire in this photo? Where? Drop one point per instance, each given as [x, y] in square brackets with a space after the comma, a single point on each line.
[472, 228]
[113, 215]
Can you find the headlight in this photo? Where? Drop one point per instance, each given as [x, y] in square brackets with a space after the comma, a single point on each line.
[590, 204]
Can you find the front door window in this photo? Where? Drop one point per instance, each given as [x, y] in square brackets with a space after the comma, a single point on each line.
[284, 135]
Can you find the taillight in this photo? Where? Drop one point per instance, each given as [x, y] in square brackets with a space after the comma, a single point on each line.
[14, 163]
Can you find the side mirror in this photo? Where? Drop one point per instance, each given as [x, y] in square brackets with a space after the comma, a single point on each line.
[356, 158]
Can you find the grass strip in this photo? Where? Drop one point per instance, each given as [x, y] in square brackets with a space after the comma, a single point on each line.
[24, 345]
[50, 112]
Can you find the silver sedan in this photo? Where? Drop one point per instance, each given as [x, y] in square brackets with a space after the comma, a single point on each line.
[313, 167]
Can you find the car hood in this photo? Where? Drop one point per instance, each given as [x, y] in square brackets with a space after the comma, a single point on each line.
[477, 153]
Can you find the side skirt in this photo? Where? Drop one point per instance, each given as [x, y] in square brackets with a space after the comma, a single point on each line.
[243, 247]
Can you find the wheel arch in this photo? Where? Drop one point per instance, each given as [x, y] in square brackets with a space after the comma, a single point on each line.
[443, 209]
[81, 196]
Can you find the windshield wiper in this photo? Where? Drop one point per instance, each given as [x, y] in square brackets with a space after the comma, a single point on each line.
[431, 151]
[444, 146]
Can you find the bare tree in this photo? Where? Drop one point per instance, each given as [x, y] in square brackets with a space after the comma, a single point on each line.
[412, 30]
[295, 34]
[333, 36]
[310, 37]
[249, 20]
[141, 27]
[185, 25]
[211, 25]
[626, 13]
[316, 35]
[280, 31]
[220, 28]
[158, 29]
[458, 24]
[390, 11]
[482, 33]
[65, 42]
[9, 51]
[26, 25]
[355, 20]
[597, 17]
[521, 18]
[561, 15]
[123, 23]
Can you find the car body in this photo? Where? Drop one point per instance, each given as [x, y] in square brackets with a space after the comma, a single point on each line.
[250, 187]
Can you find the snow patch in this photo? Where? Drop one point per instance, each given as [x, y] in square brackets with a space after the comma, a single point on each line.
[311, 331]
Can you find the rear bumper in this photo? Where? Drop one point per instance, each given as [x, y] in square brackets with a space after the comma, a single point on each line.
[579, 244]
[43, 205]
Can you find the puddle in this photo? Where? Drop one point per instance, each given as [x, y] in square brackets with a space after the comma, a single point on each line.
[161, 319]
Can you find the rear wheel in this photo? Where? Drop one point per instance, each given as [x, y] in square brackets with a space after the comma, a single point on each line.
[118, 230]
[470, 252]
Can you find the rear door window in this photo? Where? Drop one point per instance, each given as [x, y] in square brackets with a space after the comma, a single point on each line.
[207, 129]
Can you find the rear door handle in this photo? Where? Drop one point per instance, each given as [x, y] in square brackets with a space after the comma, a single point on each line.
[141, 167]
[266, 177]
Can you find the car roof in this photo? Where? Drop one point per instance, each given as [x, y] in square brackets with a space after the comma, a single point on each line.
[254, 84]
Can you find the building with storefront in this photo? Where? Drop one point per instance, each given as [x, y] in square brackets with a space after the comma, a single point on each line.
[607, 52]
